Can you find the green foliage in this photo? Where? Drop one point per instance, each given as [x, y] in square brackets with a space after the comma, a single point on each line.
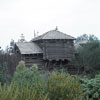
[89, 55]
[86, 37]
[91, 87]
[24, 75]
[61, 69]
[3, 69]
[63, 87]
[32, 77]
[3, 72]
[27, 84]
[13, 92]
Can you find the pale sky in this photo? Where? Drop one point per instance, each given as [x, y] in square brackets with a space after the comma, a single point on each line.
[73, 17]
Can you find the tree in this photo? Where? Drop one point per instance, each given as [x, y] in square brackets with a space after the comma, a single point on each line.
[11, 46]
[1, 50]
[89, 55]
[82, 37]
[86, 37]
[3, 72]
[24, 75]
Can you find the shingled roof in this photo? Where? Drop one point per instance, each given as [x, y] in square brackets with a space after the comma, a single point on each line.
[28, 48]
[53, 34]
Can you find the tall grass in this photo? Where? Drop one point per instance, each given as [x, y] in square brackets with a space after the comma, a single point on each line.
[13, 92]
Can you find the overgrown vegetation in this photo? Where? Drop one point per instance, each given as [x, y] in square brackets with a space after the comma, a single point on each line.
[3, 70]
[62, 86]
[3, 73]
[88, 54]
[91, 87]
[27, 84]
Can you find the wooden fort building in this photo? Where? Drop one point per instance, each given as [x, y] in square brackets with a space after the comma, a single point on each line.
[53, 48]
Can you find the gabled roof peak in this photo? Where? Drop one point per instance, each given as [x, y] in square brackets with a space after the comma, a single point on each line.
[54, 34]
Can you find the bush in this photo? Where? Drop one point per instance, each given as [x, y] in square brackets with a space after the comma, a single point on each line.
[27, 84]
[91, 87]
[63, 87]
[24, 75]
[13, 92]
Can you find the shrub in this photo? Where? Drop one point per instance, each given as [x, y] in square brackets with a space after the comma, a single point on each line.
[13, 92]
[91, 87]
[63, 87]
[24, 75]
[32, 77]
[27, 84]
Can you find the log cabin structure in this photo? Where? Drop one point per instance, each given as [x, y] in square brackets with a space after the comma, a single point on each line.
[53, 48]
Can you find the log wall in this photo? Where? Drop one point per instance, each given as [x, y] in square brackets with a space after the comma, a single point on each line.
[33, 59]
[58, 49]
[52, 50]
